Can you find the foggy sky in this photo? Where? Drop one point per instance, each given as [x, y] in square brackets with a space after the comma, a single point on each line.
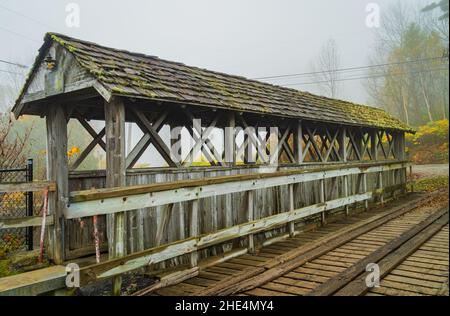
[253, 38]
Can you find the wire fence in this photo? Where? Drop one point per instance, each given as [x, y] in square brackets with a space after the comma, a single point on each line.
[17, 204]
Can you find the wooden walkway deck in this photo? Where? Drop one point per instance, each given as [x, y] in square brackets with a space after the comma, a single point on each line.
[411, 250]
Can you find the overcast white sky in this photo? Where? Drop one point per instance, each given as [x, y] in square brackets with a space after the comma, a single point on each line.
[253, 38]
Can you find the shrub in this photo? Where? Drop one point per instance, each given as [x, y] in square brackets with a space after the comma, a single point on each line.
[430, 143]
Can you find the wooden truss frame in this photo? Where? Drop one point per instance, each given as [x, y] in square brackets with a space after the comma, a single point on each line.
[300, 142]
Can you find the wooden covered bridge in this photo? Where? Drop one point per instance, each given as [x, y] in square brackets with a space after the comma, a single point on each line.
[331, 157]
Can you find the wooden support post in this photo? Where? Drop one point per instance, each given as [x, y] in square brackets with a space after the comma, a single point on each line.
[411, 178]
[322, 198]
[399, 145]
[298, 156]
[380, 186]
[373, 145]
[193, 230]
[342, 145]
[402, 156]
[230, 160]
[116, 177]
[405, 179]
[250, 218]
[298, 137]
[57, 171]
[291, 225]
[230, 140]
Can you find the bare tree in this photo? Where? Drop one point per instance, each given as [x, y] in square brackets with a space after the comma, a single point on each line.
[412, 85]
[443, 5]
[326, 69]
[13, 146]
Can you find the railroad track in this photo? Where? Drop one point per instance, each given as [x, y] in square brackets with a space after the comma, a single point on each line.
[408, 241]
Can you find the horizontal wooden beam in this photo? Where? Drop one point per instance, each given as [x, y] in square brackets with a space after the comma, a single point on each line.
[28, 186]
[95, 194]
[34, 282]
[109, 201]
[19, 222]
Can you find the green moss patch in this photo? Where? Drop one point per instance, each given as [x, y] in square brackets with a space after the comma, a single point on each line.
[5, 268]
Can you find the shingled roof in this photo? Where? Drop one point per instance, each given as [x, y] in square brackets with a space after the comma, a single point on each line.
[140, 76]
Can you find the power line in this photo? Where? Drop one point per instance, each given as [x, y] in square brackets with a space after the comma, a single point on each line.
[345, 69]
[18, 34]
[26, 17]
[366, 77]
[11, 72]
[318, 82]
[12, 63]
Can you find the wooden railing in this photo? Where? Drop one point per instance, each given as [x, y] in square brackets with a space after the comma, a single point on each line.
[28, 221]
[110, 201]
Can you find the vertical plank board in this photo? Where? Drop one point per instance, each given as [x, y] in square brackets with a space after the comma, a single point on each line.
[193, 230]
[322, 198]
[346, 194]
[380, 186]
[364, 183]
[250, 217]
[230, 140]
[291, 225]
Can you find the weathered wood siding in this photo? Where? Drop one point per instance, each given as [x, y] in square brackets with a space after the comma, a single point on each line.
[214, 213]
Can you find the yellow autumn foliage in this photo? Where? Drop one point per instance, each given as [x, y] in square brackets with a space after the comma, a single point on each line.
[73, 151]
[430, 143]
[432, 133]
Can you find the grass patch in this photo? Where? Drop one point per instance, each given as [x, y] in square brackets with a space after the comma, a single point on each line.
[431, 184]
[5, 268]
